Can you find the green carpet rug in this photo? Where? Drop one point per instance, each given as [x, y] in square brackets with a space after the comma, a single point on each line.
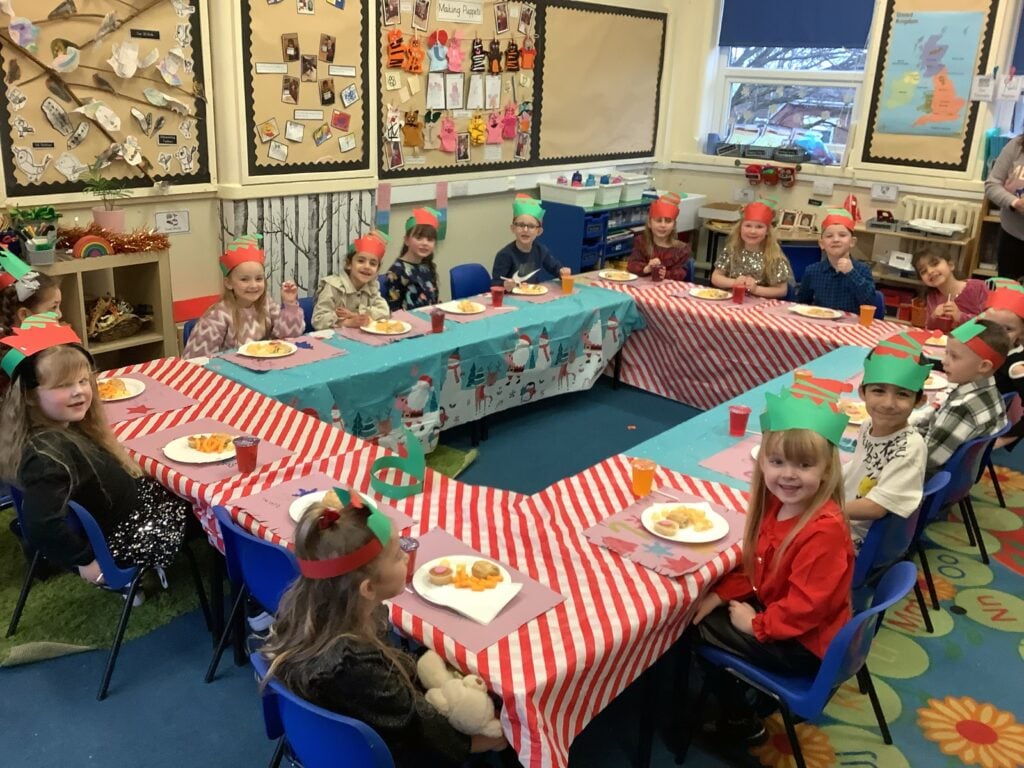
[65, 615]
[450, 461]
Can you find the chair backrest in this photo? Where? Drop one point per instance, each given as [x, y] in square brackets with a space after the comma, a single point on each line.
[267, 569]
[469, 280]
[790, 292]
[890, 537]
[186, 330]
[690, 269]
[323, 739]
[306, 302]
[115, 576]
[879, 306]
[986, 457]
[963, 466]
[849, 648]
[801, 257]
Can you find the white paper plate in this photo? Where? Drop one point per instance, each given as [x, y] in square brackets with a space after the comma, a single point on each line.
[134, 387]
[482, 607]
[533, 290]
[719, 528]
[617, 275]
[380, 330]
[252, 349]
[815, 313]
[936, 381]
[298, 507]
[755, 451]
[857, 416]
[710, 294]
[454, 308]
[938, 341]
[178, 450]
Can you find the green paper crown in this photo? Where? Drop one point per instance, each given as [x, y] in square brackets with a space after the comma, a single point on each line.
[896, 361]
[12, 265]
[377, 522]
[36, 333]
[414, 464]
[524, 205]
[994, 283]
[967, 331]
[809, 404]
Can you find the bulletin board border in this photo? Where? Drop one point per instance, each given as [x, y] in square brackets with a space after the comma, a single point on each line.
[14, 189]
[539, 84]
[290, 169]
[867, 156]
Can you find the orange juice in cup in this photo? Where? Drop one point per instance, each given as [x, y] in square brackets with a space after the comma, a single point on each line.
[802, 374]
[643, 476]
[567, 283]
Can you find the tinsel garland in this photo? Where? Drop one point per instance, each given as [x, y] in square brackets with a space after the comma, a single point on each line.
[139, 241]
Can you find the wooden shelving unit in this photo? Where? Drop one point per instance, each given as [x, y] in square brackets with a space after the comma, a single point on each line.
[139, 278]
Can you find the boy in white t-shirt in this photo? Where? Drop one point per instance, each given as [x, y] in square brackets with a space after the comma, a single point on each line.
[887, 471]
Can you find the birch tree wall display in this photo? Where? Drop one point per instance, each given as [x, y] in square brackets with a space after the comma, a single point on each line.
[305, 237]
[114, 86]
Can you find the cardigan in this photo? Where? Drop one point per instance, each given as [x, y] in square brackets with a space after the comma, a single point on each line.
[673, 258]
[339, 291]
[807, 593]
[970, 301]
[214, 332]
[1004, 184]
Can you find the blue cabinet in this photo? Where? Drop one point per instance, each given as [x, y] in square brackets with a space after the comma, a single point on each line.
[582, 238]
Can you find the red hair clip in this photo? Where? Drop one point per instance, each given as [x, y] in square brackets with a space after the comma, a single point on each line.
[328, 518]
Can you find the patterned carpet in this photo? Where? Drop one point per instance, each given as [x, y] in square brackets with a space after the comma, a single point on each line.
[954, 697]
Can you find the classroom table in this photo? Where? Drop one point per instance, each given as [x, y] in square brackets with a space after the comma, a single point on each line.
[472, 369]
[703, 353]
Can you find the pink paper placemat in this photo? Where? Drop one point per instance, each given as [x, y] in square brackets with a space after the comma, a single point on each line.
[748, 301]
[533, 600]
[643, 284]
[156, 398]
[624, 533]
[784, 311]
[420, 327]
[271, 506]
[152, 445]
[489, 311]
[736, 460]
[309, 351]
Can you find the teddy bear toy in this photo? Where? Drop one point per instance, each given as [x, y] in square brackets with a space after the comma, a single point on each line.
[463, 700]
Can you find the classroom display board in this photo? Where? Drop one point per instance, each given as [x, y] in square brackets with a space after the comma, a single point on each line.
[599, 85]
[305, 66]
[456, 85]
[921, 114]
[119, 88]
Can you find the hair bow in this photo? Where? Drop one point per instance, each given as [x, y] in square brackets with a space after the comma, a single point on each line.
[328, 518]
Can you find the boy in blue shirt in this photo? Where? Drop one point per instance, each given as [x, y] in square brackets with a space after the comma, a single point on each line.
[525, 257]
[840, 281]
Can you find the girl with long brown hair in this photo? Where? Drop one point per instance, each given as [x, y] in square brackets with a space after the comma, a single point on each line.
[411, 281]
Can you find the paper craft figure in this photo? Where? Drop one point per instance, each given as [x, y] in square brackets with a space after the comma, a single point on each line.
[455, 54]
[512, 57]
[161, 99]
[183, 35]
[447, 136]
[508, 121]
[187, 157]
[130, 151]
[26, 161]
[100, 113]
[24, 33]
[186, 128]
[527, 54]
[172, 63]
[494, 58]
[65, 56]
[16, 99]
[412, 130]
[57, 116]
[437, 51]
[475, 95]
[108, 25]
[22, 127]
[414, 57]
[70, 166]
[183, 8]
[125, 59]
[393, 124]
[164, 161]
[477, 130]
[477, 58]
[396, 49]
[493, 128]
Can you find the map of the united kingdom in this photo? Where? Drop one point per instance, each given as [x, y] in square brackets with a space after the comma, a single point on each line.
[927, 79]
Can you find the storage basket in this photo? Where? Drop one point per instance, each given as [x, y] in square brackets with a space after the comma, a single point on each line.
[610, 194]
[634, 185]
[563, 193]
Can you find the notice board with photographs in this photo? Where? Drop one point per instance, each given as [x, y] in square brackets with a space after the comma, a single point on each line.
[305, 65]
[921, 114]
[109, 85]
[456, 85]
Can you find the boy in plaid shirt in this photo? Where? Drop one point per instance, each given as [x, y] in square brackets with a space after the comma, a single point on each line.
[974, 407]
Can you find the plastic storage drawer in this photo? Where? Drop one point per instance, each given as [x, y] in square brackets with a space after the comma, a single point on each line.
[594, 227]
[621, 246]
[590, 255]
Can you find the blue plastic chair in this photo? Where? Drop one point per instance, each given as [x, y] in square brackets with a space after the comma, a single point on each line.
[186, 331]
[306, 302]
[255, 568]
[319, 738]
[806, 697]
[790, 293]
[469, 280]
[879, 306]
[690, 269]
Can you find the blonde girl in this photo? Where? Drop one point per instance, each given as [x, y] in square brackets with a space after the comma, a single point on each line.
[412, 280]
[752, 256]
[58, 447]
[329, 642]
[791, 595]
[352, 299]
[245, 312]
[657, 252]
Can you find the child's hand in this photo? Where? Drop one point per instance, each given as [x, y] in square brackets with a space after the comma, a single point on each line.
[742, 616]
[509, 284]
[746, 281]
[707, 605]
[91, 572]
[356, 321]
[655, 262]
[564, 272]
[661, 273]
[343, 314]
[953, 311]
[844, 265]
[289, 292]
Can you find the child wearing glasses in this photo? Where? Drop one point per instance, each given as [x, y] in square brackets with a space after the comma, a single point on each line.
[525, 257]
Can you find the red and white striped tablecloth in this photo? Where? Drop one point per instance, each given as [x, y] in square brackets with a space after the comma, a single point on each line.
[703, 354]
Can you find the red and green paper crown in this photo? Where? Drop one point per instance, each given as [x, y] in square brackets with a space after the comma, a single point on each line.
[37, 333]
[809, 404]
[760, 212]
[665, 207]
[17, 272]
[424, 215]
[896, 361]
[524, 205]
[373, 243]
[1006, 294]
[378, 523]
[837, 216]
[969, 334]
[240, 250]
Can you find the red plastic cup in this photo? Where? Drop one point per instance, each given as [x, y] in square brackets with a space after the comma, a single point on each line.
[409, 545]
[944, 324]
[738, 292]
[738, 415]
[437, 321]
[497, 295]
[246, 450]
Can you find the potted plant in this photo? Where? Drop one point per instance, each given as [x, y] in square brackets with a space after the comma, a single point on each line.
[109, 216]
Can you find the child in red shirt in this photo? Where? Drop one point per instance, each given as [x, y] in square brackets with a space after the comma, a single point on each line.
[791, 596]
[656, 251]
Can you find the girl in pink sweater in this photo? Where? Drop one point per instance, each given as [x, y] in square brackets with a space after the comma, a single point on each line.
[245, 312]
[950, 301]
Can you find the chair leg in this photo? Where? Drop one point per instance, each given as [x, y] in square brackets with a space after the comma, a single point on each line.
[197, 578]
[927, 574]
[275, 760]
[864, 677]
[794, 742]
[969, 505]
[218, 573]
[924, 611]
[26, 585]
[995, 483]
[484, 433]
[967, 523]
[239, 632]
[222, 643]
[645, 736]
[689, 725]
[122, 625]
[617, 369]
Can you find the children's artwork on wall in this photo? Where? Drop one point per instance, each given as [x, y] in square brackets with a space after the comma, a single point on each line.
[305, 67]
[111, 89]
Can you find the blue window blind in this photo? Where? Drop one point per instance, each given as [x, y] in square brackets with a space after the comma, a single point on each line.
[796, 23]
